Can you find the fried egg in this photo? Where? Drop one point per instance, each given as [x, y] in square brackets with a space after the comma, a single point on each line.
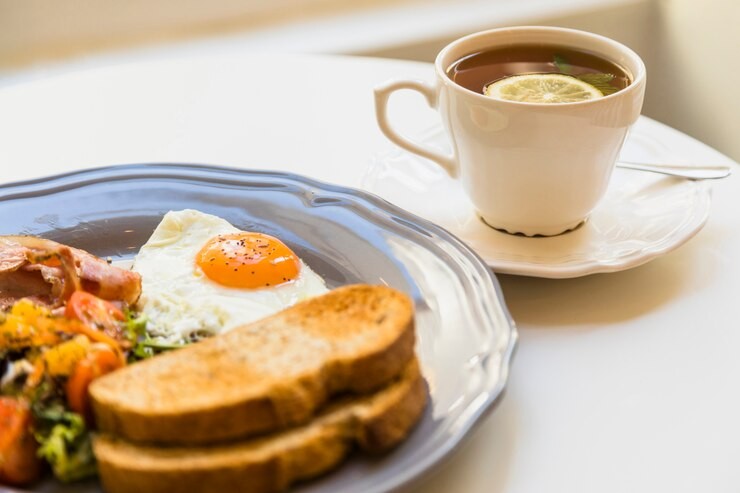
[202, 276]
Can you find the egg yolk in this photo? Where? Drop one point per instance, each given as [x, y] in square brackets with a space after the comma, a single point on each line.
[248, 260]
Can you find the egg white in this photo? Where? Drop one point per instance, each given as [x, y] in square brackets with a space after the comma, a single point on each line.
[181, 303]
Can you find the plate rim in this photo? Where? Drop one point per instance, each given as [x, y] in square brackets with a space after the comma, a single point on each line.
[46, 185]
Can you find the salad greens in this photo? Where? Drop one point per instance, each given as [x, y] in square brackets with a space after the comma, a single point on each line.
[64, 440]
[144, 346]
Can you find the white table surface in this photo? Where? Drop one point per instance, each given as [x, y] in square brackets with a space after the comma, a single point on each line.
[622, 382]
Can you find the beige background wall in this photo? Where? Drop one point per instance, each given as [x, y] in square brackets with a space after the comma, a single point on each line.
[691, 47]
[33, 31]
[696, 70]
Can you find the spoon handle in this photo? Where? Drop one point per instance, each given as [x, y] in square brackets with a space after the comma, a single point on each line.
[686, 171]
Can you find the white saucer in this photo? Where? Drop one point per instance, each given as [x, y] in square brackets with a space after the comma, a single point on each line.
[642, 216]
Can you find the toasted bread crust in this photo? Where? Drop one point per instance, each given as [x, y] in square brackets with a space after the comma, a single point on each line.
[375, 422]
[262, 377]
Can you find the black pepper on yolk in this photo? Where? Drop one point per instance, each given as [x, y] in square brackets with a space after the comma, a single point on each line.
[248, 260]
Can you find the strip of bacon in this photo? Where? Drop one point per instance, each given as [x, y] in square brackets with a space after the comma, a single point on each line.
[49, 272]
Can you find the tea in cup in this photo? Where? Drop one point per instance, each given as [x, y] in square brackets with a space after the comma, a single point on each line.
[536, 117]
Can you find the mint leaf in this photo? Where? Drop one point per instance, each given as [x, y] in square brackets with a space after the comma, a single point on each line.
[602, 82]
[562, 65]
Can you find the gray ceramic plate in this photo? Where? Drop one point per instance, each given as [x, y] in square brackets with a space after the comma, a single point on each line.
[465, 334]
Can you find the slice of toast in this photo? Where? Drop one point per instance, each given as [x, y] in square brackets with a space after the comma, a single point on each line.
[374, 422]
[262, 377]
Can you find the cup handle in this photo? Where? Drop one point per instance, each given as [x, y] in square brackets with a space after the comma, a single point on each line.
[382, 93]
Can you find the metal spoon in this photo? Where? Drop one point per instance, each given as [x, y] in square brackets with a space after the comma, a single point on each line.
[683, 170]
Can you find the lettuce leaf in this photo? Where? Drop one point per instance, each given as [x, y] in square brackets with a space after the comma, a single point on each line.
[65, 443]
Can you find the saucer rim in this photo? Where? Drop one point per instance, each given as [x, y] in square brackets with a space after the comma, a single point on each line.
[692, 224]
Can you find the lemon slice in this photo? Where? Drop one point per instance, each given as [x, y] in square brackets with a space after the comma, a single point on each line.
[542, 88]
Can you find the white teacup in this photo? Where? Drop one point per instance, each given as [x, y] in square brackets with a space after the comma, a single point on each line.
[531, 168]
